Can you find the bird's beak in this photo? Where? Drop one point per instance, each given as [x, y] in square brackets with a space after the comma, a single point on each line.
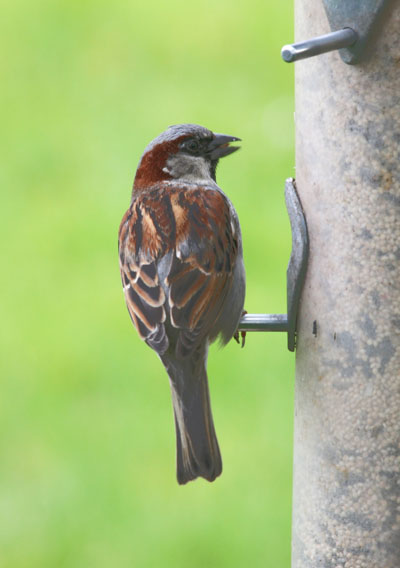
[219, 146]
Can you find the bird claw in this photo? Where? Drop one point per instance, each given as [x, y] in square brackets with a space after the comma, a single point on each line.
[240, 336]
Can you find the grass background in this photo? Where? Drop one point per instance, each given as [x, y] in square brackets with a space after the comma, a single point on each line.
[87, 450]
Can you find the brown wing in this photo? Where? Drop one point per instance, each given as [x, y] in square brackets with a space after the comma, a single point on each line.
[201, 272]
[139, 248]
[196, 227]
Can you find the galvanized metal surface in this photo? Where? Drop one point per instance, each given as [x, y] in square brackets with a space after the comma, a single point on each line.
[346, 485]
[363, 17]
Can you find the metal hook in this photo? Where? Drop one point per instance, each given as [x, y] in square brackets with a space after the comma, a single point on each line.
[295, 275]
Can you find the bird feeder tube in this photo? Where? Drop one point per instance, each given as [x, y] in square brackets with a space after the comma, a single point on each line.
[346, 486]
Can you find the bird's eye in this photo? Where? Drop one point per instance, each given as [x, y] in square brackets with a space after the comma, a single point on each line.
[192, 146]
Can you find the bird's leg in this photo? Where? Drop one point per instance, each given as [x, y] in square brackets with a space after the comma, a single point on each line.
[242, 333]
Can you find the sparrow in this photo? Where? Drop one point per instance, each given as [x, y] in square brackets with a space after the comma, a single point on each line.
[181, 262]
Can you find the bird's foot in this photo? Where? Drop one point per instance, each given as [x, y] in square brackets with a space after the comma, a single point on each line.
[240, 336]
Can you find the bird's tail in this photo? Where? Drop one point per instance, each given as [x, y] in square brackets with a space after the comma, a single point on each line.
[197, 450]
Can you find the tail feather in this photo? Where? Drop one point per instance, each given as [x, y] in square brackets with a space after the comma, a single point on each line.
[197, 450]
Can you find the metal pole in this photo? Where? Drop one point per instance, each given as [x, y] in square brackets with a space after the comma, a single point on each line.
[318, 45]
[346, 500]
[264, 322]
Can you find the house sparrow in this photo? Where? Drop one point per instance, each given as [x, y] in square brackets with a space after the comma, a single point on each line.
[183, 276]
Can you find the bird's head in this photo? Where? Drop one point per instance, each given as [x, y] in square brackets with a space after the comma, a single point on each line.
[184, 152]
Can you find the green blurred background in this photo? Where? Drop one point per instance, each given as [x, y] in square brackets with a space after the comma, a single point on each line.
[87, 471]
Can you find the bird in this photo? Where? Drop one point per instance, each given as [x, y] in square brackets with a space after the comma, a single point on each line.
[183, 276]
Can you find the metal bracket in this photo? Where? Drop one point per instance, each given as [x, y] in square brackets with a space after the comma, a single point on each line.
[295, 275]
[354, 23]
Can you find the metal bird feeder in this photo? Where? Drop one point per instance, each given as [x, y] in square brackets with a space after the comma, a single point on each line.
[346, 483]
